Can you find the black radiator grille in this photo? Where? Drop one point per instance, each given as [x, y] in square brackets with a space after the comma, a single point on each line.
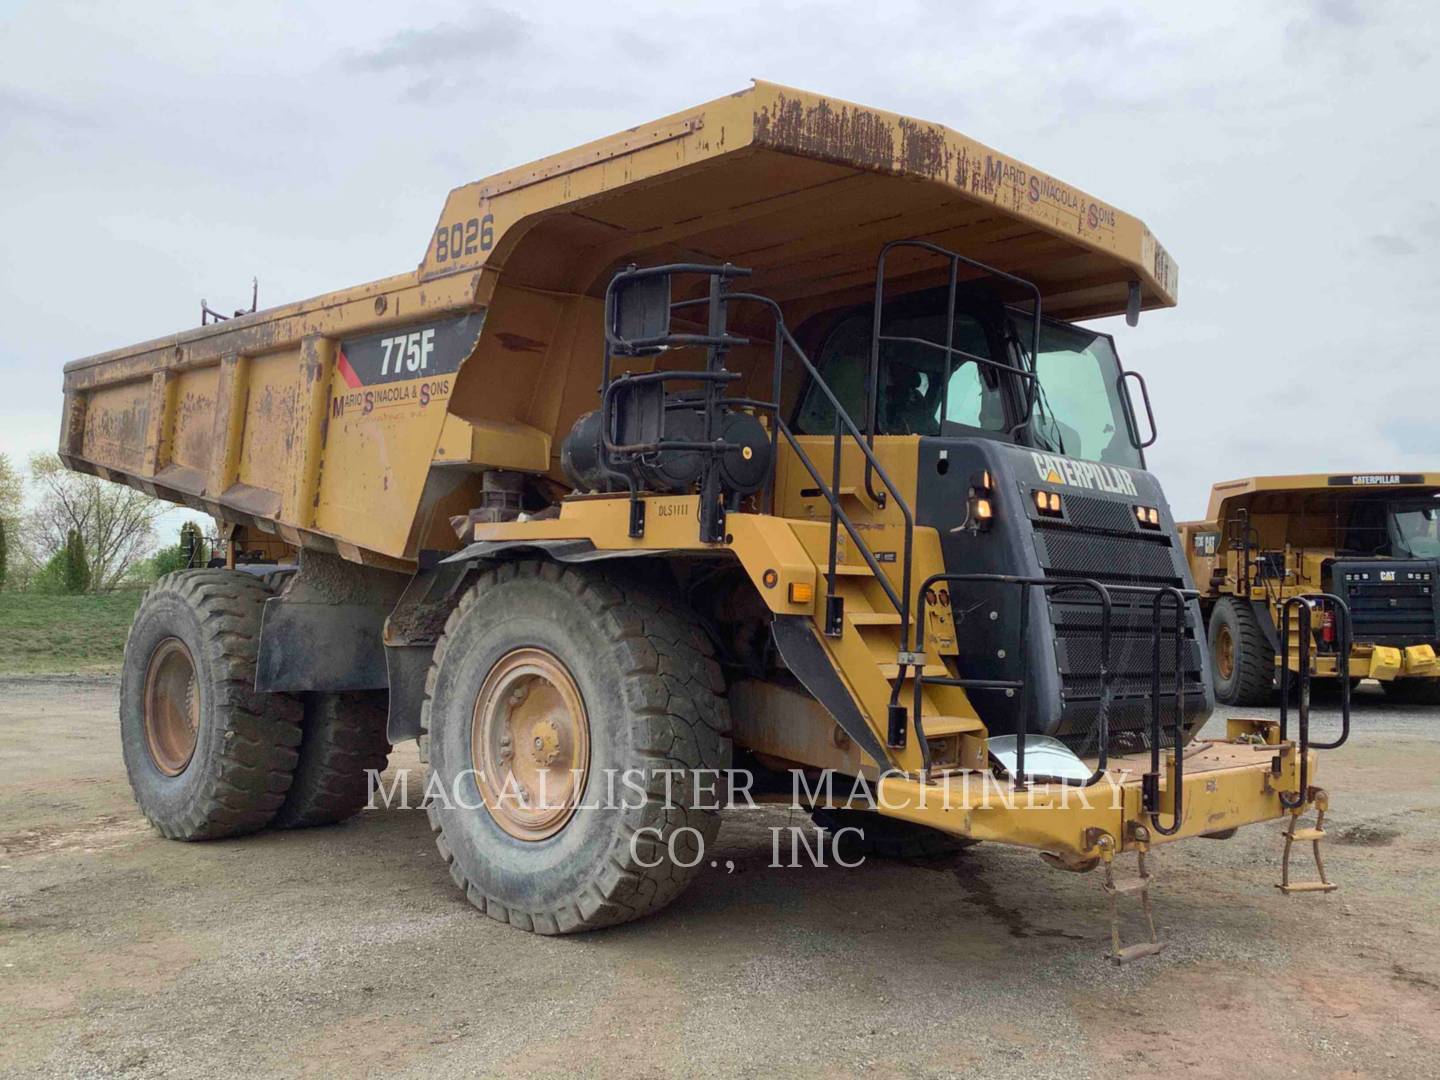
[1131, 558]
[1392, 601]
[1393, 614]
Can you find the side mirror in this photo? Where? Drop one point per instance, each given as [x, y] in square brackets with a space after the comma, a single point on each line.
[1132, 305]
[641, 314]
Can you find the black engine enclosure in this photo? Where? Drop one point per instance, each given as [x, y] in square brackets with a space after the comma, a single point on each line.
[1098, 537]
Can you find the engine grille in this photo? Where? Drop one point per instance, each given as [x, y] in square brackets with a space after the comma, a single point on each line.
[1098, 543]
[1397, 613]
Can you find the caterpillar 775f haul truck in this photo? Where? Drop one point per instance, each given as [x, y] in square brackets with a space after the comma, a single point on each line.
[763, 436]
[1368, 538]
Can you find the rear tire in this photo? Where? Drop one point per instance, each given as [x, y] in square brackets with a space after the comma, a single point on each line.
[343, 738]
[1413, 691]
[207, 756]
[1240, 657]
[587, 675]
[887, 837]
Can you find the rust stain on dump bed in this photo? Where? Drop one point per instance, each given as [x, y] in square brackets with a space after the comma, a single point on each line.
[854, 136]
[850, 135]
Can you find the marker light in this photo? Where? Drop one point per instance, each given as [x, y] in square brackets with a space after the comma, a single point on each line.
[1048, 503]
[801, 592]
[981, 509]
[1148, 516]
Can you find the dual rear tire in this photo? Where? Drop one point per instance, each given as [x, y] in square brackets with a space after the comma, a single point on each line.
[207, 755]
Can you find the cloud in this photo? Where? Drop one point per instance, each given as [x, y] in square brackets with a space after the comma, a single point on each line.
[449, 53]
[1325, 20]
[20, 106]
[1338, 12]
[1390, 244]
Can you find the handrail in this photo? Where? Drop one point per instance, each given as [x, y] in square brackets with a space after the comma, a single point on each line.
[718, 339]
[845, 425]
[1304, 605]
[877, 315]
[1150, 783]
[1050, 587]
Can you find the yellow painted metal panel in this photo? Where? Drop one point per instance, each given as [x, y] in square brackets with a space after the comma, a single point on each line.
[379, 444]
[268, 447]
[117, 419]
[192, 438]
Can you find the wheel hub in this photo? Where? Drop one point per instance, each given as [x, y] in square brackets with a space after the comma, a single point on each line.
[530, 744]
[172, 707]
[1225, 653]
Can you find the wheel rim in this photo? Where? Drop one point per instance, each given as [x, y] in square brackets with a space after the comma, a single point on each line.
[172, 707]
[530, 744]
[1225, 653]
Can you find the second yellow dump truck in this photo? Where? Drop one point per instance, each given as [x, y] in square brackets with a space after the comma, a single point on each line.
[761, 440]
[1368, 538]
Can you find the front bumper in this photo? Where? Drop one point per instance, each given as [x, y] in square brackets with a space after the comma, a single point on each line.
[1383, 662]
[1227, 784]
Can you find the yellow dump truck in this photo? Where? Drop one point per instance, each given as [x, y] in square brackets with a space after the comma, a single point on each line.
[1368, 539]
[759, 438]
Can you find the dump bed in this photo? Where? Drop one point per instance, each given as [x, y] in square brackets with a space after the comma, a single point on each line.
[359, 421]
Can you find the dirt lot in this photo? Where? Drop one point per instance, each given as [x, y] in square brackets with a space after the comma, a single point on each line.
[347, 950]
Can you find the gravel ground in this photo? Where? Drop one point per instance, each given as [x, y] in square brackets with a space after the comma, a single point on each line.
[347, 950]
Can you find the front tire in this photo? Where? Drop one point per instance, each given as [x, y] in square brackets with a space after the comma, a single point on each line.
[1241, 658]
[592, 686]
[207, 756]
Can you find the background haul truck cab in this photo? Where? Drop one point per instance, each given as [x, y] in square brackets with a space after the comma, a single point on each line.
[1368, 538]
[853, 494]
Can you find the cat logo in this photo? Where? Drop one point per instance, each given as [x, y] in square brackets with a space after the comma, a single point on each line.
[1387, 575]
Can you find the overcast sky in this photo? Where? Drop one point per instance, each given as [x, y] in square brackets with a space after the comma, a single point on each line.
[1285, 153]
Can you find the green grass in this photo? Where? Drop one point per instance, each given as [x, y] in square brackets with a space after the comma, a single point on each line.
[49, 634]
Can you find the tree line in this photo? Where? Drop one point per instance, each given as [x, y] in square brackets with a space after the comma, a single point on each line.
[77, 533]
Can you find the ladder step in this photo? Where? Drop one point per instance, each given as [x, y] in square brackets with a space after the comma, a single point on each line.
[936, 726]
[874, 618]
[1309, 886]
[1129, 888]
[847, 491]
[847, 569]
[1307, 834]
[892, 671]
[1135, 952]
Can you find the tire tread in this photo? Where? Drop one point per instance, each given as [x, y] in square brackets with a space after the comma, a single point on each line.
[683, 722]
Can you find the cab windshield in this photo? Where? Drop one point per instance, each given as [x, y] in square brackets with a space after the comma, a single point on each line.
[1078, 409]
[1413, 530]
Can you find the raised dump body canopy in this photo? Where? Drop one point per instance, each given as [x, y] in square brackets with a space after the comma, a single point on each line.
[357, 422]
[1305, 510]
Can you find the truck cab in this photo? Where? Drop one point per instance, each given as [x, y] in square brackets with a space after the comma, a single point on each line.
[1038, 413]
